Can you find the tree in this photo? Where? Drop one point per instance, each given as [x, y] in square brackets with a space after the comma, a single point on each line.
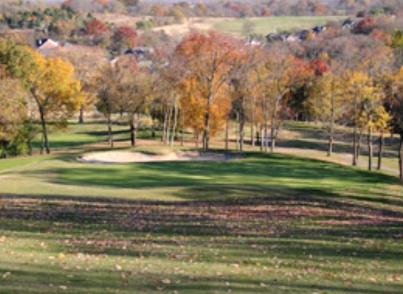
[242, 89]
[208, 60]
[96, 27]
[106, 87]
[282, 71]
[123, 38]
[360, 88]
[54, 90]
[396, 110]
[130, 2]
[326, 101]
[15, 60]
[16, 63]
[373, 116]
[13, 114]
[86, 61]
[133, 86]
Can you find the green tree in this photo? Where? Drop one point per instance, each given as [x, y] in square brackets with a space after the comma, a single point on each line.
[13, 114]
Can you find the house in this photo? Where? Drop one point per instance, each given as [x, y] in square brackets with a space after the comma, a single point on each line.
[316, 30]
[46, 44]
[274, 38]
[141, 53]
[253, 42]
[349, 23]
[293, 38]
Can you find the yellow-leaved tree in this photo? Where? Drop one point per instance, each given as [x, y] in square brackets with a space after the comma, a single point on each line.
[55, 92]
[326, 102]
[371, 114]
[359, 88]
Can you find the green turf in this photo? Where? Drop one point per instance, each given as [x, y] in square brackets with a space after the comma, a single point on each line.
[259, 224]
[11, 163]
[266, 25]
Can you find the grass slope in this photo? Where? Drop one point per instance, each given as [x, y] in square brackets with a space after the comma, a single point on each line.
[266, 25]
[260, 224]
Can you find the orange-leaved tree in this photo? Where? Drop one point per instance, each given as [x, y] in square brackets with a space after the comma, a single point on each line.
[207, 60]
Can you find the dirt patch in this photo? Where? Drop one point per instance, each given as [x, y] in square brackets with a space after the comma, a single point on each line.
[130, 157]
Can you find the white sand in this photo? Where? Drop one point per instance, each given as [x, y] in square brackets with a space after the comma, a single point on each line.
[128, 156]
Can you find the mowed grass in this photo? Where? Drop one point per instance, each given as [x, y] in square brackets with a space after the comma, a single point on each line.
[261, 223]
[266, 25]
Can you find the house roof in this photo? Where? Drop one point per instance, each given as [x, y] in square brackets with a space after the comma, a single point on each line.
[46, 44]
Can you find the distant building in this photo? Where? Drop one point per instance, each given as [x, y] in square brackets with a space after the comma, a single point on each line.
[46, 44]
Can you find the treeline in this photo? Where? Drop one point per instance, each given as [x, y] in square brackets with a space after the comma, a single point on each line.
[337, 77]
[183, 9]
[64, 24]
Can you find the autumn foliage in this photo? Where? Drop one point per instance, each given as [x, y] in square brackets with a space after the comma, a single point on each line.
[208, 60]
[126, 35]
[95, 27]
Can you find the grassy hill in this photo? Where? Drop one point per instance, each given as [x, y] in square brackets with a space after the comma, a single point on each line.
[266, 25]
[234, 26]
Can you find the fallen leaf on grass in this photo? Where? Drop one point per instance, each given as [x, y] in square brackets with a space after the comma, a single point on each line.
[5, 275]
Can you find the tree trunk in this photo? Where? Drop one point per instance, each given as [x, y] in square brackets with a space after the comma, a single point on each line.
[355, 146]
[110, 134]
[252, 124]
[273, 126]
[332, 122]
[3, 154]
[380, 151]
[175, 121]
[227, 134]
[359, 143]
[81, 115]
[197, 139]
[401, 157]
[164, 127]
[265, 130]
[355, 157]
[241, 131]
[261, 138]
[133, 131]
[237, 132]
[206, 137]
[30, 147]
[44, 131]
[330, 147]
[183, 129]
[168, 126]
[252, 134]
[42, 146]
[265, 133]
[370, 151]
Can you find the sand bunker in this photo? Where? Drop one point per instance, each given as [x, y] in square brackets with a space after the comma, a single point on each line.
[128, 156]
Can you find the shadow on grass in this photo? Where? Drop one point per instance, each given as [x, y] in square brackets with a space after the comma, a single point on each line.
[297, 226]
[134, 282]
